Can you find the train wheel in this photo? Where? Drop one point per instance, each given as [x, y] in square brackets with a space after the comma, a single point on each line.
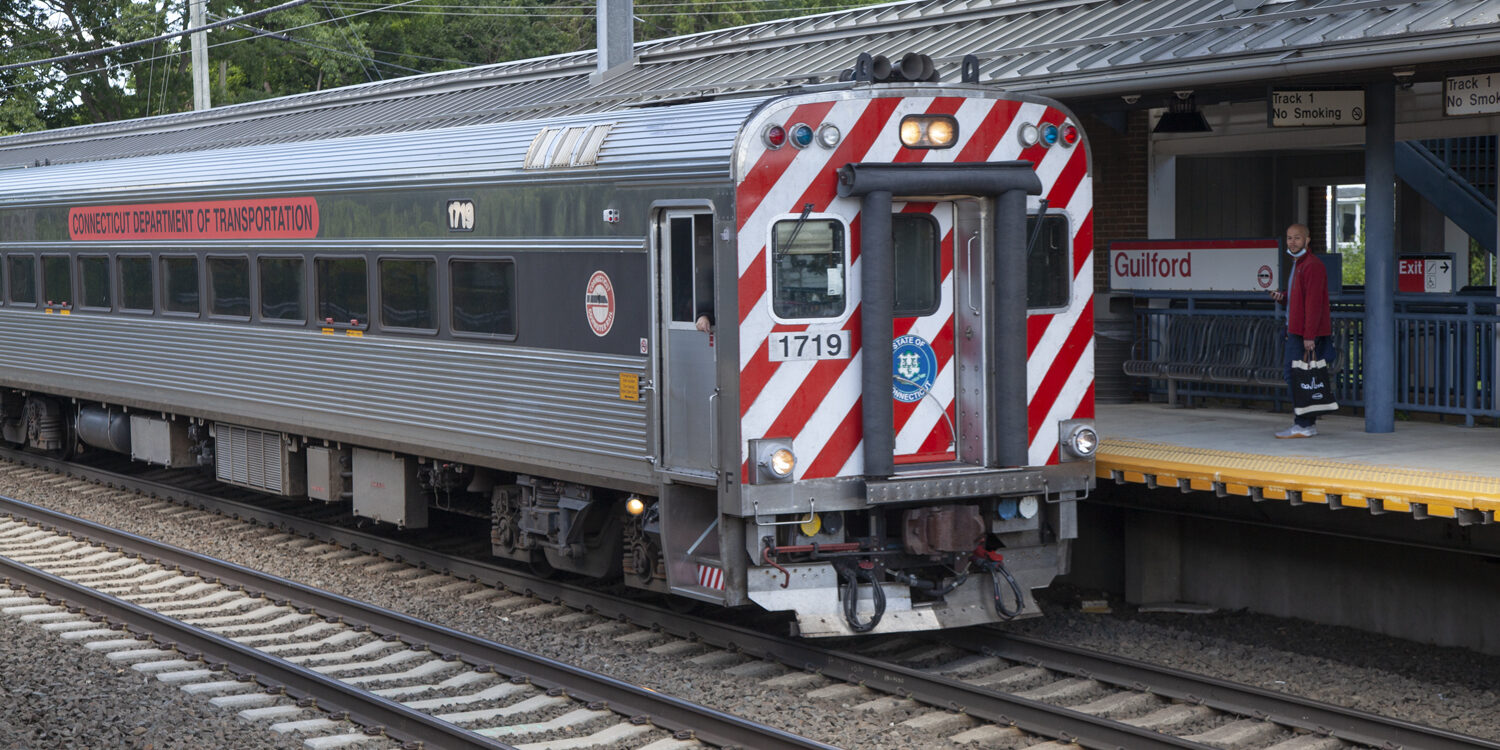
[540, 566]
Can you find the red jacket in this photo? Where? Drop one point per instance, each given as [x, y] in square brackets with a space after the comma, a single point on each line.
[1307, 300]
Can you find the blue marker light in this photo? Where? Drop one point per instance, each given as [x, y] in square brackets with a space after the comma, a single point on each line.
[1049, 135]
[802, 136]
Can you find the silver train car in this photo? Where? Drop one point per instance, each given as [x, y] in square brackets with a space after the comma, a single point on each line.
[823, 351]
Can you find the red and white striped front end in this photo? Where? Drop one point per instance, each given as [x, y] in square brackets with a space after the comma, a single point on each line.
[933, 511]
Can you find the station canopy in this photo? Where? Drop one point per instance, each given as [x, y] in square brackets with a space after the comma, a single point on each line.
[1076, 50]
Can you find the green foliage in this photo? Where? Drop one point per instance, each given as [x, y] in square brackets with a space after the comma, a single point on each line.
[324, 44]
[1354, 259]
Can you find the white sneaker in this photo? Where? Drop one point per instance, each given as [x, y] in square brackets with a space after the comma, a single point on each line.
[1298, 431]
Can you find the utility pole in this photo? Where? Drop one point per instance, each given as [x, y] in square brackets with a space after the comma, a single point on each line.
[196, 19]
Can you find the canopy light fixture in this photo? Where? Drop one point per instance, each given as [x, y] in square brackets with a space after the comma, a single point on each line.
[1182, 116]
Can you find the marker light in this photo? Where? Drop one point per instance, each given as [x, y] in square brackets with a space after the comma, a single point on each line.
[1069, 134]
[1028, 135]
[1049, 135]
[928, 131]
[635, 506]
[775, 136]
[802, 135]
[829, 135]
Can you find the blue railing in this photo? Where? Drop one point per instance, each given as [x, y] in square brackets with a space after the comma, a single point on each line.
[1445, 350]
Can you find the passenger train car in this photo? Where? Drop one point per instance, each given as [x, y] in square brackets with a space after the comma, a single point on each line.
[825, 351]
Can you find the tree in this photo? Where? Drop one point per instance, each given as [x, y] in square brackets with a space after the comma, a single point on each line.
[320, 45]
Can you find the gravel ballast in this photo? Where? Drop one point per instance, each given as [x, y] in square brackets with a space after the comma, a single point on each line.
[1448, 688]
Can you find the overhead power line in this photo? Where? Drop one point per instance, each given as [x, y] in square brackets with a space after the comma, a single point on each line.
[160, 38]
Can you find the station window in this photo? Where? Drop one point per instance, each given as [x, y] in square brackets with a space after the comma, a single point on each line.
[179, 284]
[1049, 265]
[22, 279]
[343, 291]
[408, 293]
[808, 268]
[915, 246]
[93, 276]
[135, 283]
[229, 287]
[57, 280]
[282, 287]
[484, 297]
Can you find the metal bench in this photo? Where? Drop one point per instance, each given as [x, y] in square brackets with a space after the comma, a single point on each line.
[1226, 349]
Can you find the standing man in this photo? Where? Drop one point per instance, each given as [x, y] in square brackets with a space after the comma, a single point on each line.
[1309, 325]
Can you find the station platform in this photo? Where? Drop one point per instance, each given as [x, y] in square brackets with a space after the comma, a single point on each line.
[1427, 470]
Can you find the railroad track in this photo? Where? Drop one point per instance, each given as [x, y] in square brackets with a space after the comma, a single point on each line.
[984, 686]
[314, 662]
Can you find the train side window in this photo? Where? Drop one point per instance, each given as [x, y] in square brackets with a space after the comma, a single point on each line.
[229, 287]
[57, 280]
[23, 279]
[692, 240]
[93, 276]
[808, 268]
[136, 283]
[282, 287]
[343, 291]
[179, 284]
[1049, 266]
[484, 297]
[408, 293]
[918, 264]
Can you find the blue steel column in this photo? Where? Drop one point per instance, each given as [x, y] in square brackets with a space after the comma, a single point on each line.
[1380, 258]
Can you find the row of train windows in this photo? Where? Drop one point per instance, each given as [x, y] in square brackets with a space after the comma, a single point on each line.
[482, 298]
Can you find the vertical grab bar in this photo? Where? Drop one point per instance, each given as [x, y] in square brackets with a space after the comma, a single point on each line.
[713, 433]
[974, 274]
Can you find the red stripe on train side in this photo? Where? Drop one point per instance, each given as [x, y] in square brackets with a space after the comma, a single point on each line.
[1063, 365]
[1069, 179]
[773, 163]
[988, 133]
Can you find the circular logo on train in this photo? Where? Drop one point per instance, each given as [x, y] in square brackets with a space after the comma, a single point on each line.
[599, 303]
[915, 367]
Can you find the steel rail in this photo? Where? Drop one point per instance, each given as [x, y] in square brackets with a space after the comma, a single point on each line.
[330, 694]
[1031, 716]
[1346, 724]
[989, 705]
[667, 712]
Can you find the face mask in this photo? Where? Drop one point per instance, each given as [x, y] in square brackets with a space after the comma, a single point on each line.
[1295, 255]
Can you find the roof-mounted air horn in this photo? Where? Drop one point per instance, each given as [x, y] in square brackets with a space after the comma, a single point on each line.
[912, 67]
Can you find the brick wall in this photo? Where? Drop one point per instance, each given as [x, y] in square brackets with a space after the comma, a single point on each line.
[1119, 174]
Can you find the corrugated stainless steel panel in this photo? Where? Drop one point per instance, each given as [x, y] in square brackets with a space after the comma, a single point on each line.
[494, 403]
[695, 137]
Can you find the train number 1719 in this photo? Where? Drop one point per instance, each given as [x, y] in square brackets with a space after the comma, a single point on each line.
[794, 345]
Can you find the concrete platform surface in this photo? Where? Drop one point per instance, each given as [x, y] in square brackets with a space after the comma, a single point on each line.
[1422, 468]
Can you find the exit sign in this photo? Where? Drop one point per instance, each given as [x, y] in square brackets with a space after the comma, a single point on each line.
[1432, 274]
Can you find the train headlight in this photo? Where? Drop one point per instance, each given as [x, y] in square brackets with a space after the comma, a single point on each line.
[781, 462]
[774, 459]
[635, 505]
[928, 131]
[1078, 438]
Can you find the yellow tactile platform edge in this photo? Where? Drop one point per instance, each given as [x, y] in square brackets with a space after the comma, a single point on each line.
[1314, 480]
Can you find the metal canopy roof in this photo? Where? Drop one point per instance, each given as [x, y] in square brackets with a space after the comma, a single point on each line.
[1062, 48]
